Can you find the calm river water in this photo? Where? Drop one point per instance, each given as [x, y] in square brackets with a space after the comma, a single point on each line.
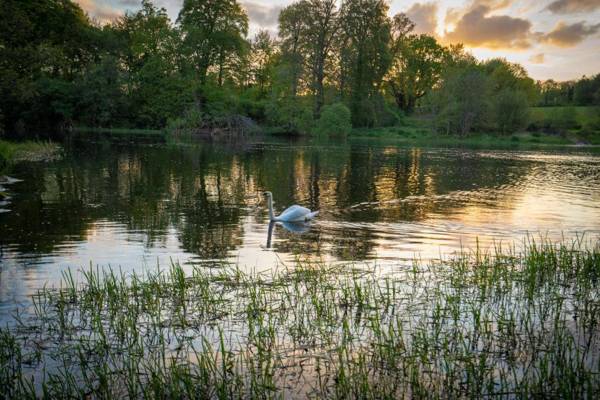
[136, 206]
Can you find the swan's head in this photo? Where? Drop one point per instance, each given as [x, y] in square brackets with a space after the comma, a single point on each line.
[268, 194]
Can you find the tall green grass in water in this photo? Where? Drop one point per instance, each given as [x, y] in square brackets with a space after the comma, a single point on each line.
[502, 324]
[11, 152]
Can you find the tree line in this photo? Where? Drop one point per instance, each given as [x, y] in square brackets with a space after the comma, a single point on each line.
[329, 69]
[581, 92]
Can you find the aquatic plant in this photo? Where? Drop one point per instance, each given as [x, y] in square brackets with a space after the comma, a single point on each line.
[502, 323]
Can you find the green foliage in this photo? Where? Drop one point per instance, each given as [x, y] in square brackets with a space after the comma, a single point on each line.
[563, 120]
[416, 67]
[59, 70]
[365, 55]
[308, 30]
[587, 91]
[294, 116]
[490, 96]
[511, 110]
[335, 120]
[100, 96]
[156, 89]
[213, 35]
[552, 93]
[40, 40]
[510, 76]
[190, 122]
[462, 102]
[581, 120]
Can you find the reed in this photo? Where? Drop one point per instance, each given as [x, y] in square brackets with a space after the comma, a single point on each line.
[498, 323]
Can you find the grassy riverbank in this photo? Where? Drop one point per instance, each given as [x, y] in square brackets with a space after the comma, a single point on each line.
[507, 323]
[554, 126]
[11, 152]
[422, 136]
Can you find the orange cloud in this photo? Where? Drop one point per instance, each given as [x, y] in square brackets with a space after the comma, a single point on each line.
[424, 17]
[477, 28]
[573, 6]
[569, 35]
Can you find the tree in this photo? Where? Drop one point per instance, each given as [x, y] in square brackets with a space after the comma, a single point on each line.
[213, 31]
[43, 44]
[151, 60]
[291, 28]
[511, 110]
[335, 120]
[418, 61]
[552, 93]
[100, 100]
[365, 55]
[261, 62]
[587, 91]
[307, 29]
[506, 75]
[462, 101]
[322, 27]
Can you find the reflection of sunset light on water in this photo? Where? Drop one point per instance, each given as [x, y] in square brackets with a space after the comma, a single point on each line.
[382, 206]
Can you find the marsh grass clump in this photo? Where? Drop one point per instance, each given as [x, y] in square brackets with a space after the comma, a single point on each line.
[12, 152]
[502, 323]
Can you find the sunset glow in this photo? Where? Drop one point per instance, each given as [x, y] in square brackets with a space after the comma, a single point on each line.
[553, 39]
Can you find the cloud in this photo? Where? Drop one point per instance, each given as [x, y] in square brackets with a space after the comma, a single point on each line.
[101, 12]
[569, 35]
[453, 15]
[130, 3]
[262, 15]
[537, 58]
[424, 17]
[573, 6]
[477, 29]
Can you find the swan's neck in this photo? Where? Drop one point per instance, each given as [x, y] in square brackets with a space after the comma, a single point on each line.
[270, 203]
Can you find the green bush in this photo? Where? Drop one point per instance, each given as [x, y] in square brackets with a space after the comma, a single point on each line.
[294, 116]
[191, 122]
[511, 111]
[6, 153]
[462, 102]
[335, 120]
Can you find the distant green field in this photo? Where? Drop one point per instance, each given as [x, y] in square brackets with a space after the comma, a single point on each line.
[551, 126]
[583, 114]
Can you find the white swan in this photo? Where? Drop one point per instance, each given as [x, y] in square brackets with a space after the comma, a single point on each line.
[294, 213]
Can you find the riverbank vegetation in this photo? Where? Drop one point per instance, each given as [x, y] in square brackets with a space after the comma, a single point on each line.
[506, 322]
[11, 152]
[330, 65]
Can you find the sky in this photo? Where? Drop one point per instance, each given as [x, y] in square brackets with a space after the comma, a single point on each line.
[552, 39]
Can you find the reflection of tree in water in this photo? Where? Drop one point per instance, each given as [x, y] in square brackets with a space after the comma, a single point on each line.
[34, 226]
[210, 226]
[410, 185]
[353, 244]
[203, 192]
[146, 189]
[301, 244]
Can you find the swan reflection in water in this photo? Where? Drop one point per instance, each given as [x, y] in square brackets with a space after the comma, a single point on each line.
[294, 227]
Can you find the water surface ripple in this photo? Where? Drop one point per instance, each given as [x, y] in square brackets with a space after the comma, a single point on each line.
[138, 206]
